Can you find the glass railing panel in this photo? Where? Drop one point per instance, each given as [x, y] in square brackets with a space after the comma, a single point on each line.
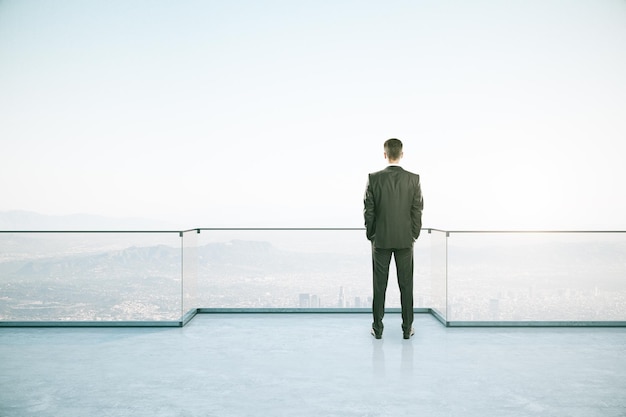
[537, 277]
[190, 271]
[94, 276]
[422, 276]
[438, 273]
[293, 269]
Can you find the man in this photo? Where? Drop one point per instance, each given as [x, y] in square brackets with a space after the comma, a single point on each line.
[393, 220]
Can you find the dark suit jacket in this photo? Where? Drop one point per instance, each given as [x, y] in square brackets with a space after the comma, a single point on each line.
[393, 208]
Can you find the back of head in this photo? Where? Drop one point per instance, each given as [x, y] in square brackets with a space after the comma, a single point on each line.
[393, 149]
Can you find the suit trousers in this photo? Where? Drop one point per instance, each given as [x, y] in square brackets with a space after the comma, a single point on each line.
[381, 259]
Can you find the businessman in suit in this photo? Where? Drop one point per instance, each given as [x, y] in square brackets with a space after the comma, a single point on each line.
[393, 220]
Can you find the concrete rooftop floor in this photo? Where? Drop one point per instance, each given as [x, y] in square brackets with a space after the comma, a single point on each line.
[311, 365]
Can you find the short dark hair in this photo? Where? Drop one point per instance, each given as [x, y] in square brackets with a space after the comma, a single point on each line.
[393, 148]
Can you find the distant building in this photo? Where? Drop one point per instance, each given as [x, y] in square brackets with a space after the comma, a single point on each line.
[305, 300]
[494, 309]
[420, 301]
[315, 301]
[342, 302]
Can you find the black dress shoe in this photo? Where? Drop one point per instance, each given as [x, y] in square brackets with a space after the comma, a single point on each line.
[376, 335]
[409, 333]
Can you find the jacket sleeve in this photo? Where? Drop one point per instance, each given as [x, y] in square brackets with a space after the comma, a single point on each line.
[416, 210]
[369, 211]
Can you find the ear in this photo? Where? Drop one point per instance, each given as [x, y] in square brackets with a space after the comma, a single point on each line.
[385, 155]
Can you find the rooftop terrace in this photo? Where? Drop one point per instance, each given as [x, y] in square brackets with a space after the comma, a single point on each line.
[105, 324]
[312, 365]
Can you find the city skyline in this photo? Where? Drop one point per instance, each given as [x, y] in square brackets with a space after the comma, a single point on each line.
[570, 281]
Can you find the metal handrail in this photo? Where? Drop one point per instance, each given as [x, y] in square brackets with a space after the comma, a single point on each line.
[91, 231]
[428, 229]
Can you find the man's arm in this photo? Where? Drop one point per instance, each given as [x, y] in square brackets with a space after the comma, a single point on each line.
[369, 211]
[416, 210]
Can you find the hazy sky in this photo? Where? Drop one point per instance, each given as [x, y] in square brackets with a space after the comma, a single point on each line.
[271, 113]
